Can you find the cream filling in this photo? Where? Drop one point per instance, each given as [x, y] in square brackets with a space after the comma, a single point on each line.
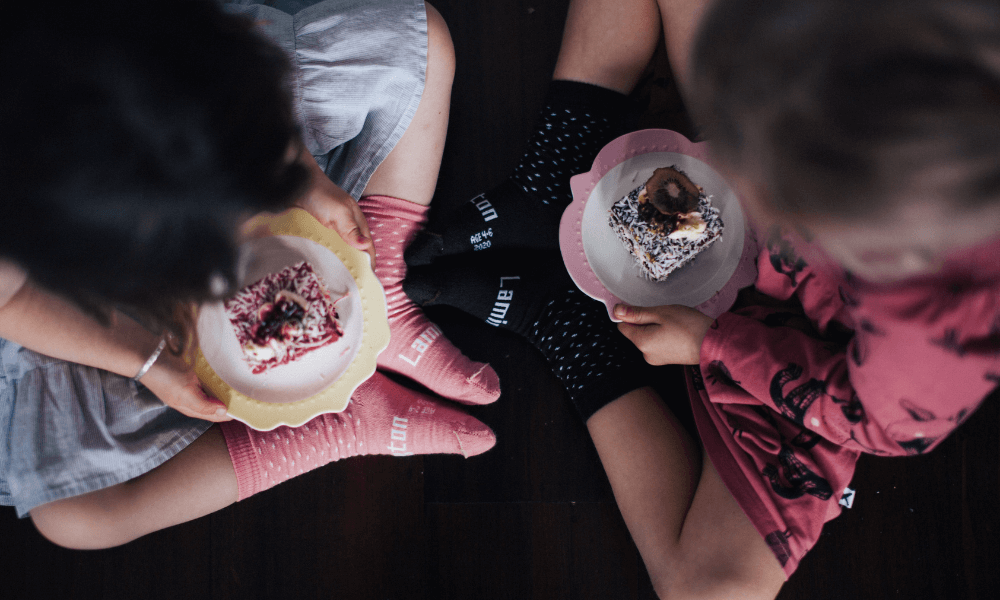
[689, 227]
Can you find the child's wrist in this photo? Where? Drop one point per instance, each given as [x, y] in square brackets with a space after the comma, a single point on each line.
[135, 346]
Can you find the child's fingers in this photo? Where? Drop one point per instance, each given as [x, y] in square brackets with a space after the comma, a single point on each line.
[338, 210]
[345, 217]
[359, 235]
[638, 315]
[200, 405]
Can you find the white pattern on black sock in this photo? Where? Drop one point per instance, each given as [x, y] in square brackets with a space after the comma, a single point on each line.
[564, 144]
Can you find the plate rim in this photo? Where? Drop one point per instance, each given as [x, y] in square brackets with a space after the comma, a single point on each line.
[265, 416]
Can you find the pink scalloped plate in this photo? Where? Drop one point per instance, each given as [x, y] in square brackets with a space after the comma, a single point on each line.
[599, 263]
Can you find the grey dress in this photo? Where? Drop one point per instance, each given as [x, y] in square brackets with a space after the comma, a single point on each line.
[67, 429]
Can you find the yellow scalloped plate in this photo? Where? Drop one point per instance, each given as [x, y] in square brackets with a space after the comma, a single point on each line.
[323, 380]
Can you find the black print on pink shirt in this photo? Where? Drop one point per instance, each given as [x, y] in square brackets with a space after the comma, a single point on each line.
[916, 445]
[795, 403]
[870, 328]
[783, 256]
[858, 349]
[989, 345]
[806, 439]
[994, 377]
[852, 408]
[777, 541]
[949, 342]
[696, 380]
[718, 374]
[923, 429]
[793, 479]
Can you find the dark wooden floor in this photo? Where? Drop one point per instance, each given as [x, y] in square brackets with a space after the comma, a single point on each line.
[534, 517]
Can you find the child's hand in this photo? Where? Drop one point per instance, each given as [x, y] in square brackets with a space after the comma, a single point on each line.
[666, 335]
[335, 208]
[177, 386]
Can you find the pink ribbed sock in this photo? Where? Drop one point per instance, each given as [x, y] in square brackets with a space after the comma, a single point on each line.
[417, 348]
[382, 418]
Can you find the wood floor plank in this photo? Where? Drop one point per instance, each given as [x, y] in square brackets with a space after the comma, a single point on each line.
[539, 551]
[356, 527]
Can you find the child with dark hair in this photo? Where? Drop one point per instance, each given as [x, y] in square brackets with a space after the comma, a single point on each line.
[135, 139]
[865, 138]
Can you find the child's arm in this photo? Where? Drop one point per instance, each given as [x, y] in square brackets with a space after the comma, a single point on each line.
[51, 325]
[897, 387]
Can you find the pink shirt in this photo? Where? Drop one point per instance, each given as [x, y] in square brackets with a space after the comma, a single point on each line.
[793, 390]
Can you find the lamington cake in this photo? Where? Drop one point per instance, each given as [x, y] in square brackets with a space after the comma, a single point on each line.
[283, 317]
[665, 222]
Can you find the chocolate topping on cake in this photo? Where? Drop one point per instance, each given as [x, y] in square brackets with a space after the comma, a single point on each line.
[669, 195]
[671, 192]
[288, 308]
[282, 317]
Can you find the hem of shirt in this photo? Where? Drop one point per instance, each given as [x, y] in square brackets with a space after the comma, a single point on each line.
[732, 475]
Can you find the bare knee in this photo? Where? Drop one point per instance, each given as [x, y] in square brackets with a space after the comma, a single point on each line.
[440, 49]
[87, 522]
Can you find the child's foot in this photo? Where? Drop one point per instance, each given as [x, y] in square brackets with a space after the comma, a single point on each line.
[507, 289]
[530, 293]
[417, 348]
[382, 418]
[524, 211]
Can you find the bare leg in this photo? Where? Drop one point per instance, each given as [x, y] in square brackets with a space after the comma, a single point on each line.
[608, 43]
[680, 24]
[694, 539]
[410, 171]
[198, 481]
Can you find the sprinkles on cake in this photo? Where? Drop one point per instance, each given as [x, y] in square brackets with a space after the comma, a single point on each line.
[665, 222]
[283, 316]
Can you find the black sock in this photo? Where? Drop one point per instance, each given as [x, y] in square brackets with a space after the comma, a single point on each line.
[530, 293]
[509, 290]
[524, 210]
[586, 352]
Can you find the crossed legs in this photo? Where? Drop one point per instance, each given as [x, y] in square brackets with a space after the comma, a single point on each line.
[201, 478]
[694, 539]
